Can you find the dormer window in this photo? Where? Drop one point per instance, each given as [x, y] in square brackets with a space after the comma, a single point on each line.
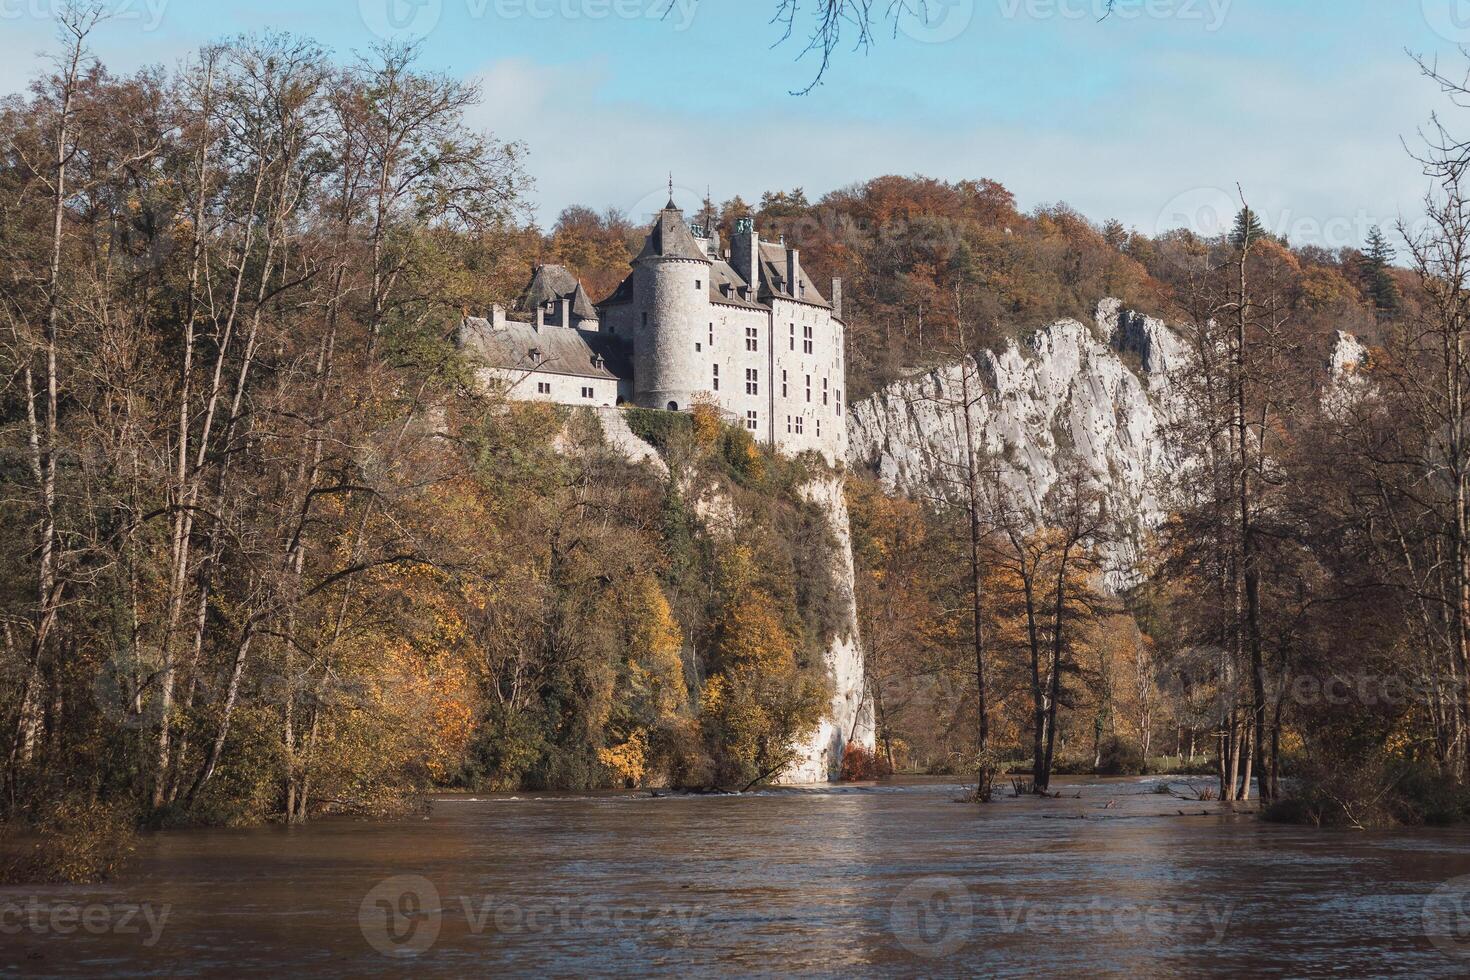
[597, 361]
[535, 355]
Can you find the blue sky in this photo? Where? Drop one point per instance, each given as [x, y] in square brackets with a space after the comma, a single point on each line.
[1151, 116]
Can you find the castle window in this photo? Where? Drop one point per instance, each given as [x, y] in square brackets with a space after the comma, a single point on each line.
[798, 424]
[824, 391]
[716, 377]
[788, 425]
[752, 421]
[698, 347]
[543, 387]
[783, 382]
[698, 285]
[806, 342]
[711, 336]
[645, 319]
[752, 381]
[808, 387]
[793, 336]
[838, 393]
[752, 339]
[587, 393]
[819, 428]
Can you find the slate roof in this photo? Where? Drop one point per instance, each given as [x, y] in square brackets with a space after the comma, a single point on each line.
[582, 306]
[671, 238]
[773, 277]
[563, 350]
[724, 274]
[551, 284]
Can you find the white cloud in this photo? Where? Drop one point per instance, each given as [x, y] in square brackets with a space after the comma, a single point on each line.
[1320, 158]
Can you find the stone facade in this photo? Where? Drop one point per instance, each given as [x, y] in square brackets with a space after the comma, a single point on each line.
[743, 328]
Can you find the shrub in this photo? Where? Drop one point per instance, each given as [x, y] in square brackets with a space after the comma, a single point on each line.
[75, 839]
[861, 765]
[658, 428]
[1117, 757]
[1367, 790]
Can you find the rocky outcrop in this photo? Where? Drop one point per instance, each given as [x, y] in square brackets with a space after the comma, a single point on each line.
[1094, 395]
[849, 718]
[1347, 377]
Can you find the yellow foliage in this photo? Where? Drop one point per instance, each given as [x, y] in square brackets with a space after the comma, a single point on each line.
[751, 634]
[629, 760]
[707, 424]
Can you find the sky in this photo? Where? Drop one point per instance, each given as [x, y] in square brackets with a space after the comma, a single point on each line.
[1153, 115]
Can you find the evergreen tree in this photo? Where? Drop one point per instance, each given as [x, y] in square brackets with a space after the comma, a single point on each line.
[1247, 228]
[1377, 275]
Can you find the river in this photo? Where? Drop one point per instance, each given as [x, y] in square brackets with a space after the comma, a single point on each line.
[1111, 880]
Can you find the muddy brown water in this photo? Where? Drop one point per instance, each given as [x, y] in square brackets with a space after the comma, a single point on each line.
[892, 880]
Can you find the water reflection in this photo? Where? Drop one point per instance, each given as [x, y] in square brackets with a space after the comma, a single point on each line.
[1112, 880]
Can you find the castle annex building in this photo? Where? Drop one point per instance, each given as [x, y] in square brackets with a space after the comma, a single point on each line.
[741, 327]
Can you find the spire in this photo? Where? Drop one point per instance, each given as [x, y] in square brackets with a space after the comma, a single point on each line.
[671, 206]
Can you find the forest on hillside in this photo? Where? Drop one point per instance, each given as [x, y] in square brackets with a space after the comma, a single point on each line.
[271, 551]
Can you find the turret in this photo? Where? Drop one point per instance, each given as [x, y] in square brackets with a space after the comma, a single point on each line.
[671, 283]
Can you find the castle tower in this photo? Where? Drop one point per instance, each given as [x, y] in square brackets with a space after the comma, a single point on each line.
[671, 288]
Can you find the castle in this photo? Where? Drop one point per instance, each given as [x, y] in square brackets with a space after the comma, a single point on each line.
[742, 328]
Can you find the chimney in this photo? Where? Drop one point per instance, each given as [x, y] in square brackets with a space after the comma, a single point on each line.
[566, 312]
[837, 297]
[793, 272]
[497, 317]
[540, 317]
[745, 253]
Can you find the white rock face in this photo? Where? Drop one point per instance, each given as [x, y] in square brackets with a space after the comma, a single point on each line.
[1099, 393]
[1347, 385]
[850, 718]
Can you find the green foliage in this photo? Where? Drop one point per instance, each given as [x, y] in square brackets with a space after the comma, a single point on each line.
[1247, 229]
[663, 430]
[1376, 272]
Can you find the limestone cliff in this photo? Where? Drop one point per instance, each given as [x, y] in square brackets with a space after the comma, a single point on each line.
[850, 717]
[1099, 393]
